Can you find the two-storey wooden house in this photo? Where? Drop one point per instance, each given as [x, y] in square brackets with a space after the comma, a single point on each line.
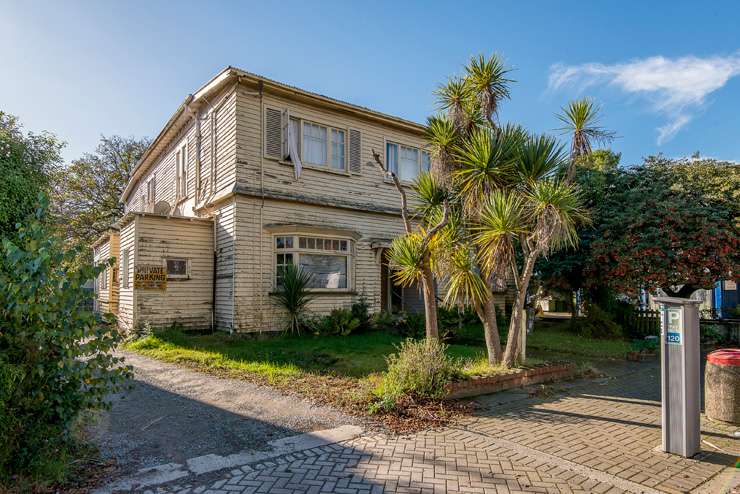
[247, 176]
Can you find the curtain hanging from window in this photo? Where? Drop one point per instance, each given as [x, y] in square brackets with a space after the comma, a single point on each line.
[295, 157]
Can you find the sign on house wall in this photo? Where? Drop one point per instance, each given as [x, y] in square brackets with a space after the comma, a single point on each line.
[150, 277]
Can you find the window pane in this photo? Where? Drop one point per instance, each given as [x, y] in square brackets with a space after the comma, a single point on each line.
[302, 243]
[177, 267]
[314, 144]
[326, 271]
[319, 243]
[311, 243]
[343, 245]
[337, 149]
[391, 157]
[425, 161]
[408, 163]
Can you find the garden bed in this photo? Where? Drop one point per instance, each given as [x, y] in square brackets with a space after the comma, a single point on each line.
[512, 378]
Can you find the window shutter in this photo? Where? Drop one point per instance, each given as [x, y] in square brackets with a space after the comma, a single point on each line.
[285, 121]
[273, 132]
[355, 151]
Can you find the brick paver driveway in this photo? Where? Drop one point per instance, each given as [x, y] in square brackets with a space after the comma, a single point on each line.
[589, 436]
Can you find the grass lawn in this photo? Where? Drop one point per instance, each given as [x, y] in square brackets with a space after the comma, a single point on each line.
[279, 357]
[282, 356]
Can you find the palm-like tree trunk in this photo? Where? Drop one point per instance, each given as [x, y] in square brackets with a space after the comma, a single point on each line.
[486, 312]
[515, 326]
[430, 299]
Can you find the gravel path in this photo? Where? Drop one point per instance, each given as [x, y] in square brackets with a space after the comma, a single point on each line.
[174, 413]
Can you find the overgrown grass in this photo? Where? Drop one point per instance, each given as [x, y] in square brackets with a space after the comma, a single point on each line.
[555, 340]
[279, 357]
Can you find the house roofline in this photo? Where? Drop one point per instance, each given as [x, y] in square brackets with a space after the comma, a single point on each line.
[232, 74]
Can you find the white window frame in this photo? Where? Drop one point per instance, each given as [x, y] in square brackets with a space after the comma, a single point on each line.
[419, 160]
[181, 180]
[185, 276]
[151, 193]
[296, 251]
[104, 279]
[327, 167]
[125, 267]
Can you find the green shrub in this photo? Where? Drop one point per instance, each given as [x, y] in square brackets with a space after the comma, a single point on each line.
[711, 334]
[361, 312]
[598, 324]
[339, 322]
[55, 358]
[420, 369]
[383, 321]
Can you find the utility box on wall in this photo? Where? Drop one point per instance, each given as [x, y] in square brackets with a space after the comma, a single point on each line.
[680, 373]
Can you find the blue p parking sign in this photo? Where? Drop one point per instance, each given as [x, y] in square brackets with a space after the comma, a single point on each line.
[674, 326]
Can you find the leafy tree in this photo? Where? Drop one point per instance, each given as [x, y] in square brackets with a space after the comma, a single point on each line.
[87, 192]
[55, 356]
[662, 226]
[26, 162]
[563, 271]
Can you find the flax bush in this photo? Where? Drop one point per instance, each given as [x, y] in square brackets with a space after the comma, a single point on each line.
[419, 370]
[55, 356]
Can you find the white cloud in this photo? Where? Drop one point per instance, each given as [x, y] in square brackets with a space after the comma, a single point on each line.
[676, 88]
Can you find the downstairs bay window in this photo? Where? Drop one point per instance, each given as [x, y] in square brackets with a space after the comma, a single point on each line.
[326, 259]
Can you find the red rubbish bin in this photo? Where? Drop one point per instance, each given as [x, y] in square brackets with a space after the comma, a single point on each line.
[722, 385]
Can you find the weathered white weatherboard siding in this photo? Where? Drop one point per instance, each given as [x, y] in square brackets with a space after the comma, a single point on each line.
[126, 311]
[255, 256]
[217, 149]
[106, 294]
[185, 302]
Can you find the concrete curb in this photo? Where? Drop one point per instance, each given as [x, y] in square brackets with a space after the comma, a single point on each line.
[161, 474]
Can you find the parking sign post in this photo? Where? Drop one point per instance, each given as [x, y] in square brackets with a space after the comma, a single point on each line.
[680, 374]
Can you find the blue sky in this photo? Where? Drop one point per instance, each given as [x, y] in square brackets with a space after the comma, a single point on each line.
[667, 75]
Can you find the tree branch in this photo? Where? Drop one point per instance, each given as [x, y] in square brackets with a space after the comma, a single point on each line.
[397, 182]
[431, 233]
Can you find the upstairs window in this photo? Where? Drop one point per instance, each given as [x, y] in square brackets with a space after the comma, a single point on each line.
[314, 144]
[406, 161]
[181, 162]
[151, 194]
[318, 145]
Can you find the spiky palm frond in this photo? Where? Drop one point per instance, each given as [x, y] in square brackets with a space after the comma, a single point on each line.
[430, 196]
[487, 160]
[293, 295]
[502, 218]
[442, 138]
[453, 97]
[406, 257]
[556, 209]
[487, 79]
[540, 157]
[581, 121]
[464, 284]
